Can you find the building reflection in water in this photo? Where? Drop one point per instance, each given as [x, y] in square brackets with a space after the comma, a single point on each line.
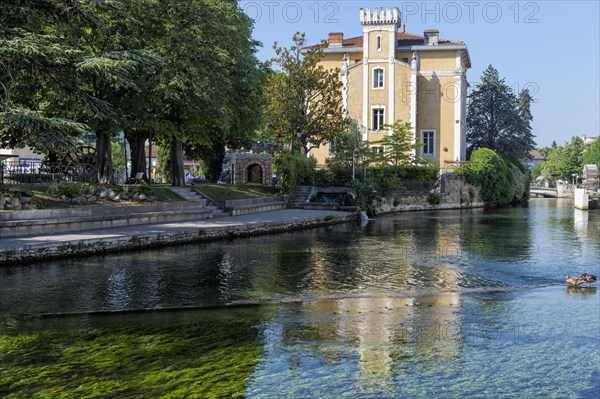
[383, 334]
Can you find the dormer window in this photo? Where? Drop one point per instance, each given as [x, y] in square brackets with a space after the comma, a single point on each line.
[378, 78]
[378, 42]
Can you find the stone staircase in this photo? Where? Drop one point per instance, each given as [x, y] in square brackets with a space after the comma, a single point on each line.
[193, 195]
[188, 194]
[300, 196]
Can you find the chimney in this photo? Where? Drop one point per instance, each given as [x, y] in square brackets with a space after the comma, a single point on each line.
[432, 37]
[336, 39]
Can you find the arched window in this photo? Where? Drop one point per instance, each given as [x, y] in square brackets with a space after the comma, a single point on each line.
[378, 42]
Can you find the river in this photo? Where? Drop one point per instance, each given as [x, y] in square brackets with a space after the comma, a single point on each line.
[431, 304]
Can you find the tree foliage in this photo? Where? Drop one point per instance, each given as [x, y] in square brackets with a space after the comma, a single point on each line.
[592, 154]
[175, 70]
[397, 146]
[303, 98]
[210, 93]
[38, 62]
[501, 182]
[563, 161]
[498, 120]
[346, 146]
[292, 170]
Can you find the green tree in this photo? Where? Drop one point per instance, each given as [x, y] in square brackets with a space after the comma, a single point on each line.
[303, 98]
[346, 146]
[499, 121]
[37, 69]
[397, 146]
[591, 154]
[562, 162]
[64, 65]
[489, 171]
[525, 136]
[108, 74]
[207, 90]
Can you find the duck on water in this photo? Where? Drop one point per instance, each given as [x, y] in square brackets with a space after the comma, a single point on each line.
[585, 278]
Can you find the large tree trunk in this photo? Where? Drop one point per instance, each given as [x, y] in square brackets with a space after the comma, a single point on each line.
[215, 164]
[137, 144]
[177, 173]
[104, 169]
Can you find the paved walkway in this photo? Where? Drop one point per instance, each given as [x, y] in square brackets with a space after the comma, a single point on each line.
[127, 232]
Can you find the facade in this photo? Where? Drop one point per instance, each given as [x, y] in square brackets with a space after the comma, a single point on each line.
[390, 75]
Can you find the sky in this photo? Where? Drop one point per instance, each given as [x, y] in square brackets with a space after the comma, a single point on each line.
[550, 47]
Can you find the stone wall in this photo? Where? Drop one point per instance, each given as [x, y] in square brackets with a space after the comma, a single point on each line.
[456, 194]
[49, 221]
[31, 253]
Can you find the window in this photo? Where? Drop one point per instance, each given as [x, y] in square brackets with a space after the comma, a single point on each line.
[378, 42]
[377, 150]
[404, 59]
[377, 119]
[428, 140]
[378, 78]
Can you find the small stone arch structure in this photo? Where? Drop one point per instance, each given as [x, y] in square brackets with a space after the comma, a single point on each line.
[252, 168]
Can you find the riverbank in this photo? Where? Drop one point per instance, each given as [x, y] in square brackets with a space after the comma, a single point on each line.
[126, 238]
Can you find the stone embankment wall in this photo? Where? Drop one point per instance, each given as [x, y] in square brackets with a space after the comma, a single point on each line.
[455, 194]
[50, 221]
[144, 241]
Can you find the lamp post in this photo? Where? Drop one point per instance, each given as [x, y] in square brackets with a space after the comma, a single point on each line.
[353, 163]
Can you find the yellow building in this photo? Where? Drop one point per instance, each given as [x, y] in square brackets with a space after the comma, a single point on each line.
[389, 75]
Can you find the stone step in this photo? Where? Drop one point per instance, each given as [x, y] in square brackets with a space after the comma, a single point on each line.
[301, 194]
[188, 194]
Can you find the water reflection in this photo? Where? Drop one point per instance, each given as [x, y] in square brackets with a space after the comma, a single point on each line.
[429, 251]
[581, 290]
[386, 346]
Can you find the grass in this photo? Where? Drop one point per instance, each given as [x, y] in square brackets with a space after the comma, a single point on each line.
[48, 201]
[223, 192]
[166, 195]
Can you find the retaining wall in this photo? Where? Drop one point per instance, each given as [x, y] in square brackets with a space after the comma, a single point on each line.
[254, 205]
[46, 221]
[457, 195]
[31, 253]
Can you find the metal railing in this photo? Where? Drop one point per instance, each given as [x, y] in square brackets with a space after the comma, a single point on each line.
[40, 172]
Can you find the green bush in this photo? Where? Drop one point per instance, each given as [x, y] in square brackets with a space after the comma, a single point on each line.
[70, 190]
[293, 170]
[14, 192]
[374, 189]
[404, 172]
[333, 176]
[520, 184]
[501, 182]
[434, 198]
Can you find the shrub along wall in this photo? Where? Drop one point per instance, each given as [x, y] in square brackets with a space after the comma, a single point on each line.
[293, 170]
[500, 181]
